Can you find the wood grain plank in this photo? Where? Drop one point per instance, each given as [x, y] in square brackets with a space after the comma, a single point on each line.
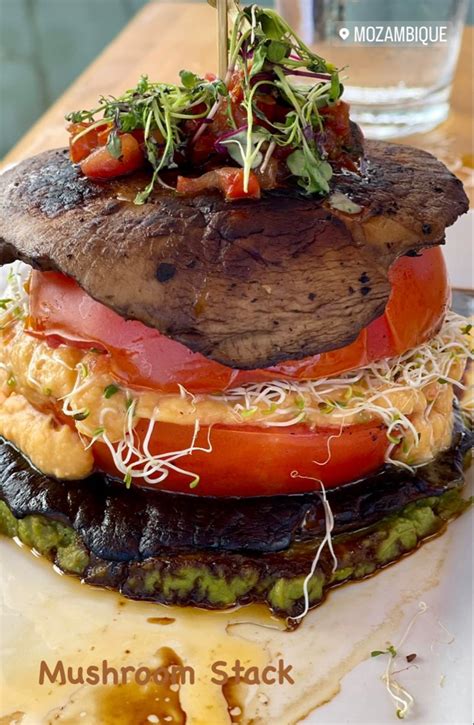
[162, 39]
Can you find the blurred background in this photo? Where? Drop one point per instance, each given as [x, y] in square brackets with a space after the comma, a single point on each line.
[45, 44]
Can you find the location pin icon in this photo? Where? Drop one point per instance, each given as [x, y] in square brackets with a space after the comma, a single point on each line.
[344, 33]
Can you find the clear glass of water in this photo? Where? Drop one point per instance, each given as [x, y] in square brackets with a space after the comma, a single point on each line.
[398, 57]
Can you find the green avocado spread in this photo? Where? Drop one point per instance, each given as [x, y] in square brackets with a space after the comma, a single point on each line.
[216, 580]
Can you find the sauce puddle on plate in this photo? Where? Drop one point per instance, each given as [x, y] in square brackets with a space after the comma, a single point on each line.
[141, 704]
[80, 627]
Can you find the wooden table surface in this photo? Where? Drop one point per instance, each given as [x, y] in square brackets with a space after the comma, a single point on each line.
[164, 37]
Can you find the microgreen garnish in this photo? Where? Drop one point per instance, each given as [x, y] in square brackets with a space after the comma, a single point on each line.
[326, 408]
[157, 109]
[18, 313]
[394, 438]
[389, 651]
[269, 55]
[268, 63]
[110, 390]
[195, 482]
[400, 696]
[4, 303]
[114, 145]
[188, 79]
[81, 415]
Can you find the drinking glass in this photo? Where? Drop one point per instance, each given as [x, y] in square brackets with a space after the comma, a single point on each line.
[398, 57]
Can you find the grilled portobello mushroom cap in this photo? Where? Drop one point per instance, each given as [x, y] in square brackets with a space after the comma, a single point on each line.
[247, 284]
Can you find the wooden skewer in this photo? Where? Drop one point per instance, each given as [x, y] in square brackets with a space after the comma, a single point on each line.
[222, 37]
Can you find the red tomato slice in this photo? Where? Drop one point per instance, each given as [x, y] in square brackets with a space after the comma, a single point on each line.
[142, 357]
[252, 461]
[82, 143]
[227, 179]
[337, 118]
[100, 164]
[234, 186]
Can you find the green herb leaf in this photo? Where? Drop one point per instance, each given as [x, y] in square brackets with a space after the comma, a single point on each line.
[4, 303]
[394, 439]
[466, 329]
[335, 90]
[142, 196]
[389, 651]
[277, 50]
[168, 114]
[18, 312]
[326, 408]
[189, 79]
[81, 415]
[296, 163]
[314, 174]
[259, 58]
[239, 149]
[110, 390]
[272, 25]
[143, 85]
[114, 144]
